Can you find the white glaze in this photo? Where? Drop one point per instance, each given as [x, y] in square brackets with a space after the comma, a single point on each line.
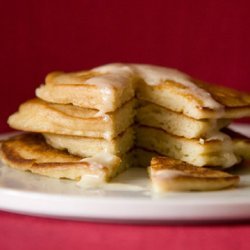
[217, 135]
[152, 75]
[119, 75]
[155, 75]
[107, 135]
[102, 160]
[88, 181]
[227, 148]
[202, 141]
[112, 75]
[102, 114]
[167, 173]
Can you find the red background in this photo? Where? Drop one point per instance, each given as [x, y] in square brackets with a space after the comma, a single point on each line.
[207, 39]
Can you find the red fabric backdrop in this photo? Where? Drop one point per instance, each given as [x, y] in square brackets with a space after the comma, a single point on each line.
[208, 39]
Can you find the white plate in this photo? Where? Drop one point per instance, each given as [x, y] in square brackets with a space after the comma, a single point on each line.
[27, 193]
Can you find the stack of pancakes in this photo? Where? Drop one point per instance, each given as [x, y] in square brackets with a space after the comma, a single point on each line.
[118, 115]
[88, 114]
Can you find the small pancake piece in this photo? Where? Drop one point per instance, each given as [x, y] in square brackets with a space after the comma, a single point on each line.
[153, 115]
[42, 117]
[199, 152]
[87, 147]
[95, 89]
[168, 174]
[30, 152]
[241, 143]
[170, 95]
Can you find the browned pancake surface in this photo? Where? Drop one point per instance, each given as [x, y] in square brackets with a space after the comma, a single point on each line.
[168, 174]
[161, 162]
[228, 97]
[30, 152]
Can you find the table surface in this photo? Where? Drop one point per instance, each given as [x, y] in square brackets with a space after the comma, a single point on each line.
[27, 232]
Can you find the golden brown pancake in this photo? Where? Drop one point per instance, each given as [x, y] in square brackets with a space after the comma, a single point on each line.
[229, 97]
[235, 104]
[198, 152]
[73, 88]
[153, 115]
[168, 174]
[39, 116]
[241, 143]
[30, 152]
[87, 147]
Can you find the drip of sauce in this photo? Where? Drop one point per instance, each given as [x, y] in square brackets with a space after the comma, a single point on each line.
[107, 135]
[97, 162]
[202, 141]
[167, 174]
[112, 75]
[102, 160]
[88, 181]
[102, 114]
[226, 147]
[155, 75]
[216, 135]
[119, 75]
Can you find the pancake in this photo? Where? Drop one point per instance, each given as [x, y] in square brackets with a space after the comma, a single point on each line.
[85, 146]
[30, 152]
[176, 123]
[198, 152]
[241, 143]
[168, 174]
[39, 116]
[93, 89]
[91, 112]
[180, 92]
[169, 95]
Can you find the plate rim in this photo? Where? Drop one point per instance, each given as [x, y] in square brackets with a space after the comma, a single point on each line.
[236, 207]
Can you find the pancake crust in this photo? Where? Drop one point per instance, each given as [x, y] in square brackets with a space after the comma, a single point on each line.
[72, 88]
[39, 116]
[168, 174]
[29, 152]
[229, 97]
